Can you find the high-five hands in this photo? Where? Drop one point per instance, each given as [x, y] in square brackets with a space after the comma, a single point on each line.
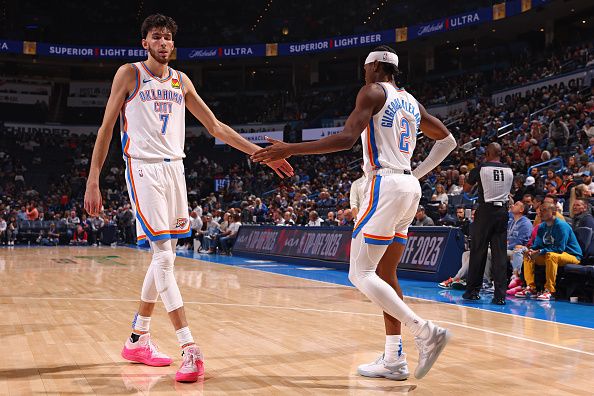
[282, 168]
[276, 151]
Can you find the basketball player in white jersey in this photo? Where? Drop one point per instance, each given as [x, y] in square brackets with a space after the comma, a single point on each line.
[389, 118]
[151, 98]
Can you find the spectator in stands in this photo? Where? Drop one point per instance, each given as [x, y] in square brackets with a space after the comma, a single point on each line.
[590, 150]
[246, 213]
[260, 210]
[538, 181]
[518, 189]
[527, 201]
[421, 218]
[555, 245]
[302, 217]
[87, 226]
[558, 132]
[195, 226]
[11, 231]
[80, 237]
[197, 209]
[3, 227]
[209, 236]
[325, 201]
[348, 220]
[228, 238]
[217, 216]
[539, 200]
[226, 222]
[519, 230]
[49, 237]
[587, 182]
[552, 176]
[457, 187]
[552, 198]
[277, 217]
[534, 152]
[287, 220]
[314, 219]
[445, 219]
[530, 186]
[588, 128]
[32, 212]
[126, 224]
[426, 188]
[97, 224]
[73, 219]
[572, 165]
[461, 221]
[331, 220]
[582, 214]
[566, 185]
[440, 194]
[22, 214]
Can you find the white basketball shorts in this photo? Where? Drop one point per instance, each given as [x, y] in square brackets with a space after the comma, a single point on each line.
[389, 207]
[159, 199]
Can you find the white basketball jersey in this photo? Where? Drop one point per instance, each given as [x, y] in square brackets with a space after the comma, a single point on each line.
[391, 136]
[152, 119]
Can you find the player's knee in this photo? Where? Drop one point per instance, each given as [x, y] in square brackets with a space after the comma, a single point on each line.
[164, 260]
[354, 277]
[165, 280]
[163, 269]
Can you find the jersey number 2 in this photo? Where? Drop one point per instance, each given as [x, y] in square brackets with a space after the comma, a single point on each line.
[404, 140]
[164, 118]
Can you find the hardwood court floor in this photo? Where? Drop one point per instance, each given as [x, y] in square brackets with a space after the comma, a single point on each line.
[67, 311]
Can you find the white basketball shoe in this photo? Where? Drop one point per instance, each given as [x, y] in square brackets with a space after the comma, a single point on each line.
[430, 346]
[381, 369]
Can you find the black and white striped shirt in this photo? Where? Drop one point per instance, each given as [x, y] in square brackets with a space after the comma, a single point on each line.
[495, 181]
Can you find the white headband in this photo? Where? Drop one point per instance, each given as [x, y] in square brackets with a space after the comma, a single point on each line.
[382, 56]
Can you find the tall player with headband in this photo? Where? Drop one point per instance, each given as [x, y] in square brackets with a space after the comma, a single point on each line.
[389, 118]
[151, 99]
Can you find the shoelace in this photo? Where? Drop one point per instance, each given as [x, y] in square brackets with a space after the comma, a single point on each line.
[422, 347]
[190, 359]
[153, 348]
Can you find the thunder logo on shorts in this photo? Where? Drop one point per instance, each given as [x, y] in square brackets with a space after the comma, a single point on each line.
[181, 222]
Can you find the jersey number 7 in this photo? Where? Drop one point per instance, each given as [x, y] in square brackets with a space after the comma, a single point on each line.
[165, 119]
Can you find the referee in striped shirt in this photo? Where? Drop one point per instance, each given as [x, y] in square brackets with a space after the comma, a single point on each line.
[494, 181]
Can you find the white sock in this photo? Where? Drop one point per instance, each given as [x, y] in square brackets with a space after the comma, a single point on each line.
[393, 348]
[141, 323]
[184, 336]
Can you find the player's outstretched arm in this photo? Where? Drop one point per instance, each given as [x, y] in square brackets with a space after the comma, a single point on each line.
[220, 130]
[123, 82]
[370, 98]
[444, 143]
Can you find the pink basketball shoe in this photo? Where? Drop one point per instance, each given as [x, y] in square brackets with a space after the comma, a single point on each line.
[144, 351]
[192, 366]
